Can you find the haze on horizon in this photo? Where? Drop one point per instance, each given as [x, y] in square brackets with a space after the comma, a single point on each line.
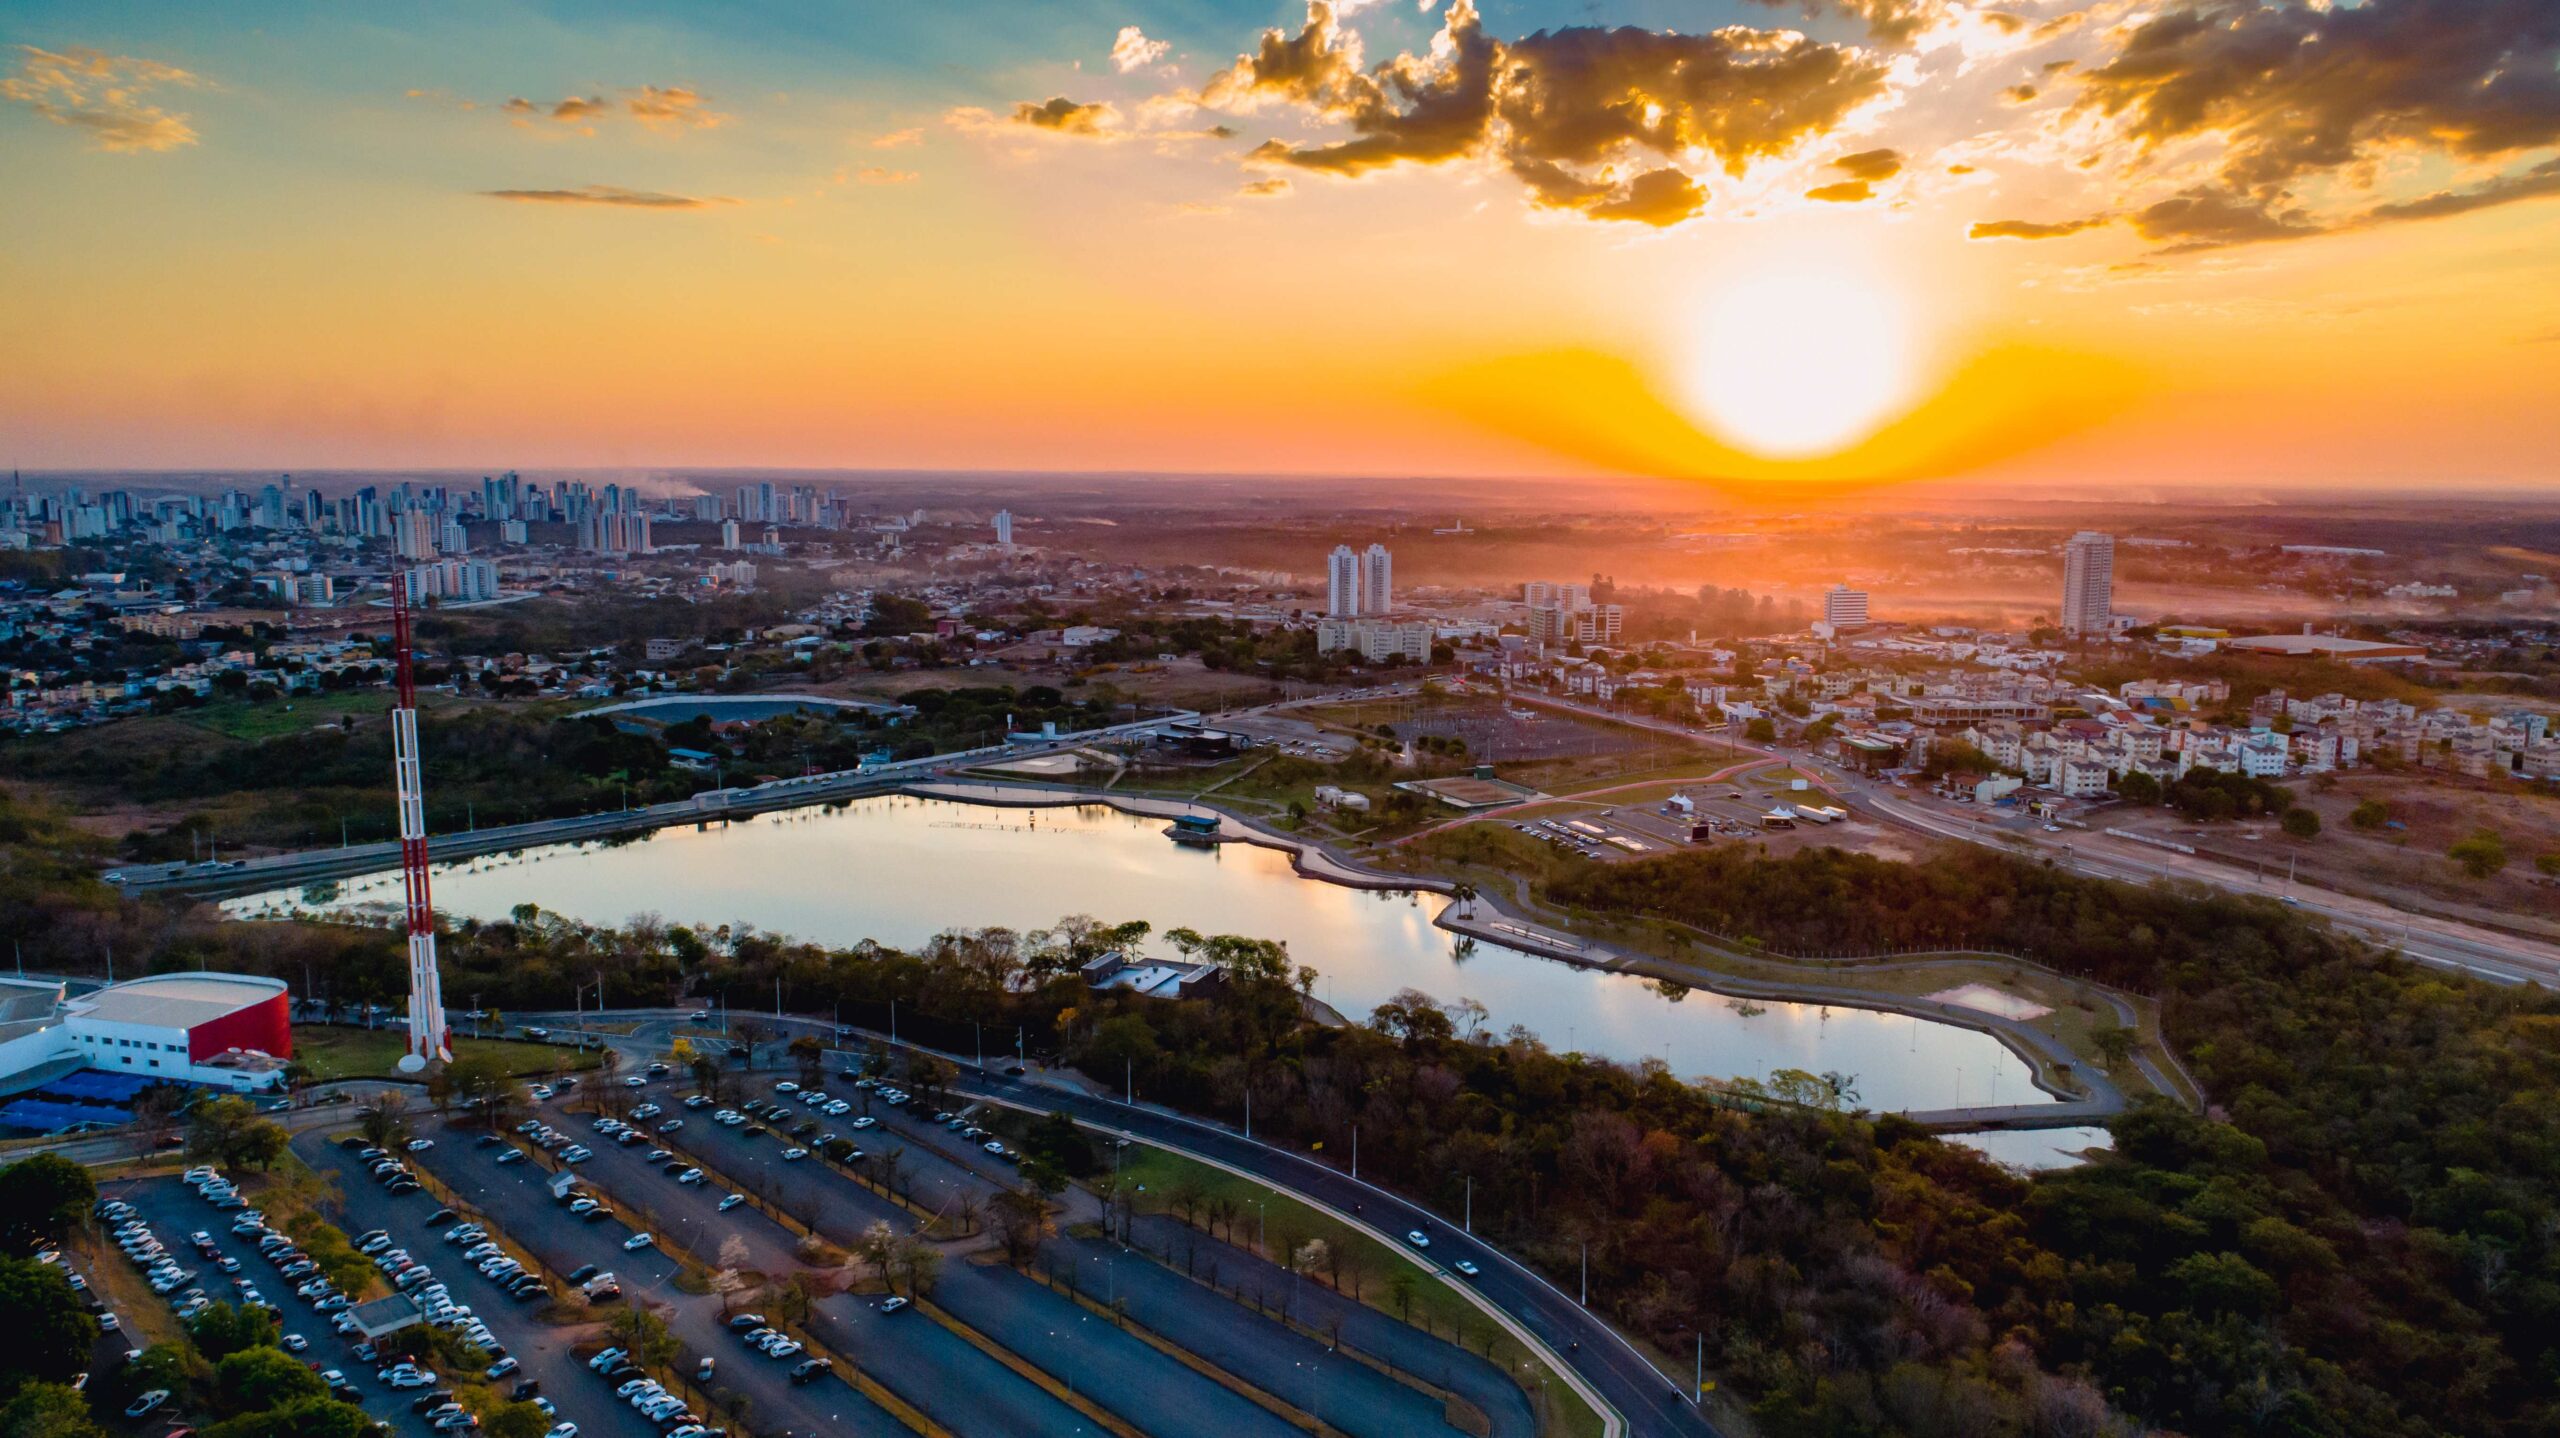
[2065, 242]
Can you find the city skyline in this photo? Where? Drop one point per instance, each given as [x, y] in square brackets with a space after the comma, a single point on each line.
[2057, 246]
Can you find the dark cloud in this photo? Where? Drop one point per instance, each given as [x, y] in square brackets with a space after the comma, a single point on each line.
[1065, 116]
[2294, 90]
[1874, 165]
[2019, 94]
[2208, 219]
[1843, 192]
[613, 195]
[2032, 230]
[1269, 187]
[1566, 111]
[2541, 180]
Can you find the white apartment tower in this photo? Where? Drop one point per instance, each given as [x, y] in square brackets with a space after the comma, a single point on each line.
[1377, 581]
[1342, 583]
[2088, 582]
[1004, 528]
[1844, 608]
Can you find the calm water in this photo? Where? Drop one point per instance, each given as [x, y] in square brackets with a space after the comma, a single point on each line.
[2036, 1149]
[898, 870]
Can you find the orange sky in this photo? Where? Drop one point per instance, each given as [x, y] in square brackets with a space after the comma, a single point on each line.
[729, 251]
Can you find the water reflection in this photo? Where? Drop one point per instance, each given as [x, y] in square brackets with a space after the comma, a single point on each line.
[2037, 1150]
[900, 869]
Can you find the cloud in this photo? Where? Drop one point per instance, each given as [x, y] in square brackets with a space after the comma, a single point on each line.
[1269, 187]
[2020, 94]
[1842, 192]
[2034, 230]
[881, 175]
[672, 107]
[1873, 165]
[897, 139]
[1569, 113]
[1066, 117]
[101, 94]
[2207, 219]
[2294, 91]
[2540, 181]
[1132, 50]
[1888, 22]
[613, 195]
[578, 112]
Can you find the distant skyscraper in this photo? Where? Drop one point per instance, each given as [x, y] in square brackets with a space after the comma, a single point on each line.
[729, 534]
[1843, 607]
[413, 534]
[1377, 581]
[2088, 582]
[1342, 583]
[1004, 527]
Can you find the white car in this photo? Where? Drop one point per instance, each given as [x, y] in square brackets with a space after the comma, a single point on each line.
[1418, 1238]
[732, 1201]
[789, 1154]
[638, 1241]
[421, 1145]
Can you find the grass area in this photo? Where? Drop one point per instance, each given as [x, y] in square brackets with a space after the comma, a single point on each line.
[1386, 1277]
[243, 719]
[341, 1053]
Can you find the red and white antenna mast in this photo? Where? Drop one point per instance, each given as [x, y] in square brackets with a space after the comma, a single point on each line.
[427, 1039]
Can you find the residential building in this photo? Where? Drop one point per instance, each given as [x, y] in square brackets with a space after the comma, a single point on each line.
[1844, 608]
[1342, 583]
[1377, 581]
[2088, 583]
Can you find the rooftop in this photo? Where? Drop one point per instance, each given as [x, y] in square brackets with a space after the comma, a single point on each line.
[173, 1001]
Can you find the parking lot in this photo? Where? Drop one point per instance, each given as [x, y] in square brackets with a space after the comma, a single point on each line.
[542, 1348]
[945, 1376]
[175, 1211]
[1154, 1391]
[516, 1200]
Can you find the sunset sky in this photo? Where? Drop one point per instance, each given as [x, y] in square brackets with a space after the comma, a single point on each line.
[2045, 240]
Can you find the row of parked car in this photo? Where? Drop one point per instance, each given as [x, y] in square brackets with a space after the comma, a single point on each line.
[773, 1343]
[648, 1397]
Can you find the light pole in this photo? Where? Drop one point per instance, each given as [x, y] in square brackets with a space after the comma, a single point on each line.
[1586, 1273]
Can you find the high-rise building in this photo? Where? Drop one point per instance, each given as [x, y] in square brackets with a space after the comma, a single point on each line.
[1004, 527]
[1843, 607]
[729, 534]
[1377, 581]
[1342, 583]
[2088, 583]
[413, 534]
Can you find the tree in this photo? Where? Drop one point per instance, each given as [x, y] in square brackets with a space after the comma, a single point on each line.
[707, 1077]
[2137, 787]
[915, 1261]
[308, 1418]
[228, 1132]
[2114, 1042]
[811, 1057]
[2481, 855]
[518, 1420]
[48, 1410]
[2301, 823]
[384, 1119]
[50, 1330]
[224, 1329]
[645, 1334]
[2371, 814]
[1021, 1222]
[42, 1199]
[255, 1379]
[1761, 731]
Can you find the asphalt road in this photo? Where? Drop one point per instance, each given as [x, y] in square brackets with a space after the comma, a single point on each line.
[515, 1196]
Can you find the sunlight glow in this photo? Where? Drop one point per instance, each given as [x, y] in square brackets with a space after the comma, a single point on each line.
[1797, 360]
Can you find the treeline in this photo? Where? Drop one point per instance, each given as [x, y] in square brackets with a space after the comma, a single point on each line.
[2366, 1245]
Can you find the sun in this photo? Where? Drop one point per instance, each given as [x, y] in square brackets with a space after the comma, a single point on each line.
[1795, 361]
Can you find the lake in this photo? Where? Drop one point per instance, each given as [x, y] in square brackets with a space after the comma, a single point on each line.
[898, 870]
